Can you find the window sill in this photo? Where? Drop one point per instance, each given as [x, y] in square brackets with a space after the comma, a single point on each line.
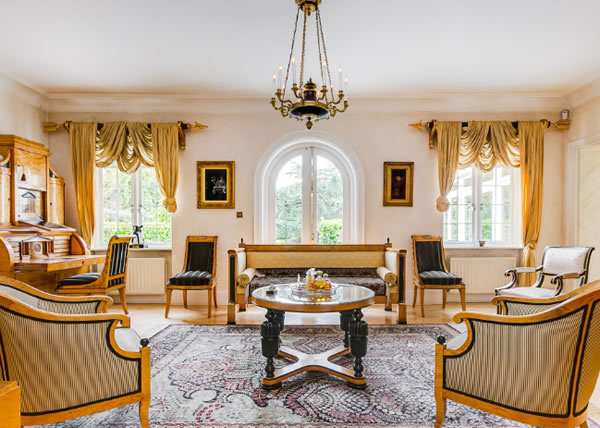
[485, 247]
[166, 249]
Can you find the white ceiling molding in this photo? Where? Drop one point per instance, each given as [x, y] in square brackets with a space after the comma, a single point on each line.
[583, 94]
[450, 103]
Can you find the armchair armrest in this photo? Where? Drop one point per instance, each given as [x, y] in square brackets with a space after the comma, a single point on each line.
[387, 275]
[514, 272]
[558, 279]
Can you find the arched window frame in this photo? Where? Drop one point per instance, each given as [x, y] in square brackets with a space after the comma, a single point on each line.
[285, 149]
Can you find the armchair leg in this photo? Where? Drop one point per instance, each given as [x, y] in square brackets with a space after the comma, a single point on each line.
[440, 406]
[123, 301]
[210, 299]
[168, 304]
[185, 299]
[215, 296]
[584, 424]
[414, 296]
[144, 405]
[444, 297]
[422, 296]
[463, 302]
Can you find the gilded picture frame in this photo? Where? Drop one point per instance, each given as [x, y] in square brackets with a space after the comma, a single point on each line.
[215, 184]
[398, 184]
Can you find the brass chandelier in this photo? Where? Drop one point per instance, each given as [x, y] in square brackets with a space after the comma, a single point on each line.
[310, 104]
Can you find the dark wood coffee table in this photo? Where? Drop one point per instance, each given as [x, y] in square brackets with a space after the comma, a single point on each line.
[348, 300]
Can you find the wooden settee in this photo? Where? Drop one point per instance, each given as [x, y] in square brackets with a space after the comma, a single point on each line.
[379, 267]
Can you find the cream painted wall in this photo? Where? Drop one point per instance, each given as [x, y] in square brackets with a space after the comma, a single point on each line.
[583, 190]
[243, 135]
[22, 111]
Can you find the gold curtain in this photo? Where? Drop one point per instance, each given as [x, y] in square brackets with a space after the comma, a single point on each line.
[165, 143]
[488, 142]
[129, 144]
[531, 136]
[448, 138]
[82, 138]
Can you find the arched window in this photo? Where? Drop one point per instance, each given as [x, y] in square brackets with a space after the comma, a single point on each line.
[309, 190]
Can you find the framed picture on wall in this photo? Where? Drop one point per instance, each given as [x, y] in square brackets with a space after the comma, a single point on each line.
[216, 184]
[398, 183]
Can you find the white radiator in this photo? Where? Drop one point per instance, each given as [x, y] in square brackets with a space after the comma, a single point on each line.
[146, 276]
[482, 274]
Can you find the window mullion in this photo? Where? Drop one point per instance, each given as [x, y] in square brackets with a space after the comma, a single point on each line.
[477, 207]
[136, 198]
[307, 204]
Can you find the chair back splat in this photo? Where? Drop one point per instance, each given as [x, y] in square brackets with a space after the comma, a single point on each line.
[119, 251]
[429, 256]
[199, 256]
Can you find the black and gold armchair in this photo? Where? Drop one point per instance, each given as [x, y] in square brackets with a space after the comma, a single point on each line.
[199, 271]
[538, 364]
[559, 263]
[112, 278]
[430, 271]
[68, 360]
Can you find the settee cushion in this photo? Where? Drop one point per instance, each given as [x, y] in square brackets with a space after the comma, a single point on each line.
[367, 277]
[439, 278]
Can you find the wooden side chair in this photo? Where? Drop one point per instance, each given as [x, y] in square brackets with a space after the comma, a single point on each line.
[199, 271]
[112, 277]
[430, 272]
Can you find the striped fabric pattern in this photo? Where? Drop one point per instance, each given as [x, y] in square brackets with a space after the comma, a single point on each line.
[191, 278]
[429, 256]
[200, 256]
[62, 365]
[590, 365]
[49, 305]
[439, 278]
[516, 308]
[118, 262]
[519, 366]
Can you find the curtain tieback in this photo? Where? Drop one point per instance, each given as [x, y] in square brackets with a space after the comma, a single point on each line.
[442, 203]
[532, 245]
[170, 204]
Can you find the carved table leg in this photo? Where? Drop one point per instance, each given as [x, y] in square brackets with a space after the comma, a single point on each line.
[270, 330]
[345, 317]
[358, 331]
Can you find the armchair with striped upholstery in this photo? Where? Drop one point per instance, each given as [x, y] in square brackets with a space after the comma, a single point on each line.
[69, 361]
[537, 365]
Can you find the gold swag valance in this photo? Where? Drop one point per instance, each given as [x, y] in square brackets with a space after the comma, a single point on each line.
[129, 144]
[486, 143]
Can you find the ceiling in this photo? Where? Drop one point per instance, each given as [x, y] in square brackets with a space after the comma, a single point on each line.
[230, 48]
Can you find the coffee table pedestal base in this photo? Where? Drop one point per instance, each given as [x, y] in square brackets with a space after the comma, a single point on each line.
[303, 362]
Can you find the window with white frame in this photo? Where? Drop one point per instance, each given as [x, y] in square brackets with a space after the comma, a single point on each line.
[125, 200]
[484, 206]
[309, 198]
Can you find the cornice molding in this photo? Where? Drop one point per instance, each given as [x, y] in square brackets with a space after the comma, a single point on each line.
[584, 94]
[447, 102]
[26, 95]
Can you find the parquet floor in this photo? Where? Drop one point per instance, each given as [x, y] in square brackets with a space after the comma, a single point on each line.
[148, 319]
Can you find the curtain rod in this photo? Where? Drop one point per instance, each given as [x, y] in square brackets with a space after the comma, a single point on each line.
[53, 126]
[560, 124]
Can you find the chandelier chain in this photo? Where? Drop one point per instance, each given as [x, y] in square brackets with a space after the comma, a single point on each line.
[319, 49]
[320, 30]
[287, 72]
[303, 49]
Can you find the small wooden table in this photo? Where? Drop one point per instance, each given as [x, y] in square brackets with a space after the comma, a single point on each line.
[348, 300]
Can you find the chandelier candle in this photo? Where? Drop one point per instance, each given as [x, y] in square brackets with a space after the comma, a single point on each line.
[306, 102]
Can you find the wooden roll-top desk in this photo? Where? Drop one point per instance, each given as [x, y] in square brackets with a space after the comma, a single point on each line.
[35, 245]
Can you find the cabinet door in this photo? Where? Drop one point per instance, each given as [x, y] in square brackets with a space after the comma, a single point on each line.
[56, 200]
[4, 195]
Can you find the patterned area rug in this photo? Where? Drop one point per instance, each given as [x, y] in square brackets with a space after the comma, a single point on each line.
[210, 376]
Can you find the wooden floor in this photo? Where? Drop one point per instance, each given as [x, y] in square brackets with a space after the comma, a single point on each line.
[148, 319]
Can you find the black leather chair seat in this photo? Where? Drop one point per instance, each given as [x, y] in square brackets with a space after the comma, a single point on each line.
[81, 279]
[435, 277]
[192, 277]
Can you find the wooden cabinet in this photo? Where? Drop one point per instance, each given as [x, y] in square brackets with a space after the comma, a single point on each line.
[10, 405]
[56, 199]
[30, 191]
